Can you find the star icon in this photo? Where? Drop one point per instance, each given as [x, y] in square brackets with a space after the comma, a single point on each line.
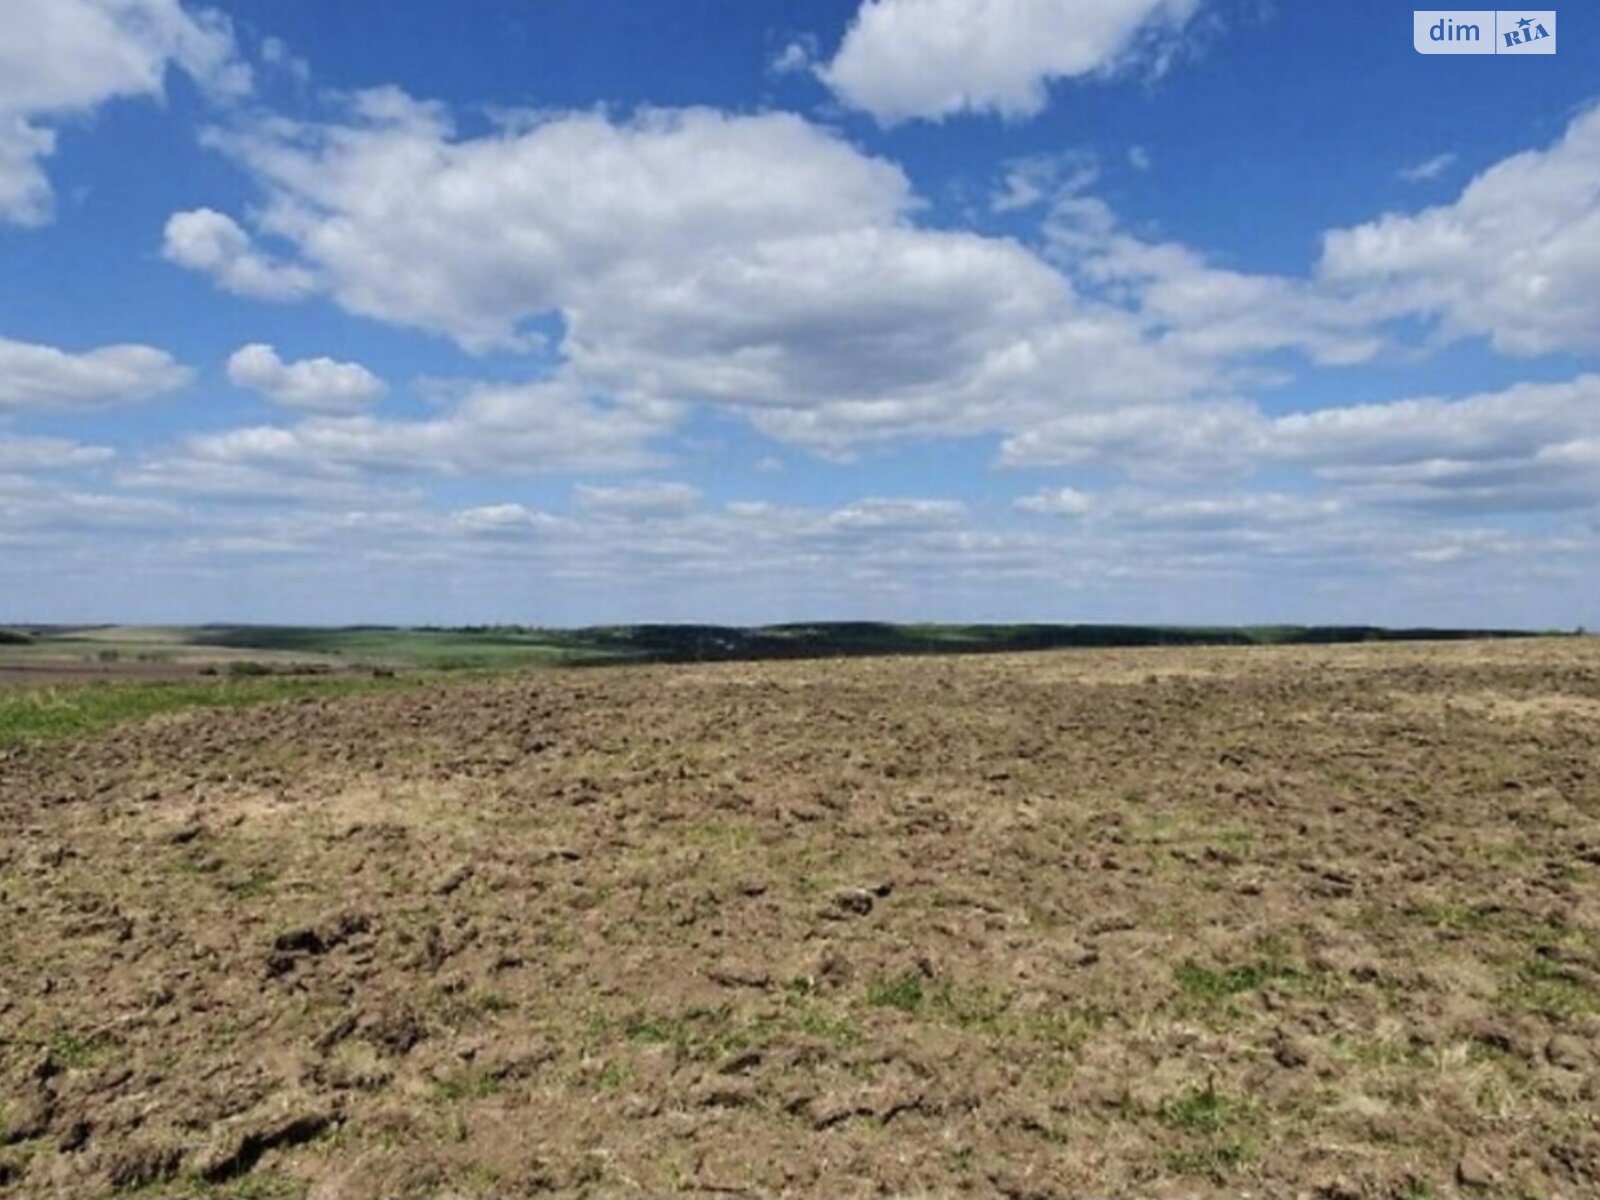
[1525, 22]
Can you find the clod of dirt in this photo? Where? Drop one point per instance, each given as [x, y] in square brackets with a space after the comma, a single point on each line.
[396, 1032]
[1567, 1052]
[740, 975]
[1291, 1052]
[44, 1068]
[727, 1094]
[1339, 1187]
[309, 941]
[341, 1028]
[834, 969]
[1473, 1172]
[517, 1059]
[75, 1137]
[853, 902]
[28, 1118]
[827, 1111]
[741, 1064]
[322, 938]
[238, 1146]
[138, 1166]
[453, 879]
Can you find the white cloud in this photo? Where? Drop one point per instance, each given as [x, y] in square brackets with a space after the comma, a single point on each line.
[795, 57]
[210, 242]
[1180, 556]
[1147, 441]
[275, 53]
[24, 454]
[474, 237]
[904, 59]
[503, 518]
[1198, 309]
[495, 430]
[765, 266]
[46, 378]
[1428, 168]
[640, 500]
[262, 489]
[1516, 257]
[1531, 447]
[61, 59]
[881, 514]
[320, 384]
[25, 196]
[1255, 515]
[1056, 502]
[1030, 182]
[753, 262]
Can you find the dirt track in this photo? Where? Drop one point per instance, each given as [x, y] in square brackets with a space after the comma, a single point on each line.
[1320, 922]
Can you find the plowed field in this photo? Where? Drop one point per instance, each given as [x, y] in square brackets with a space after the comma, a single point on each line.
[1318, 922]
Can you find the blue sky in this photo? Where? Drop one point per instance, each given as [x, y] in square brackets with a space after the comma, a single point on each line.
[753, 310]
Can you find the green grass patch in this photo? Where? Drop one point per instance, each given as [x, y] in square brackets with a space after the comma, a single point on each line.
[46, 713]
[1214, 1126]
[1383, 1054]
[1196, 982]
[76, 1051]
[1203, 1110]
[816, 1021]
[1543, 986]
[435, 649]
[702, 1034]
[257, 1185]
[258, 883]
[1464, 918]
[1215, 1161]
[904, 992]
[465, 1085]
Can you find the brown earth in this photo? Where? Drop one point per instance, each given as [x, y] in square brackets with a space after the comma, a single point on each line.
[1319, 922]
[50, 673]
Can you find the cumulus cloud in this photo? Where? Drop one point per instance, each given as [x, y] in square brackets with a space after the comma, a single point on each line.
[46, 378]
[1192, 306]
[904, 59]
[495, 430]
[1531, 447]
[1147, 441]
[754, 262]
[768, 267]
[62, 59]
[1515, 258]
[878, 513]
[214, 244]
[1182, 555]
[473, 237]
[1056, 502]
[638, 500]
[314, 383]
[504, 519]
[26, 454]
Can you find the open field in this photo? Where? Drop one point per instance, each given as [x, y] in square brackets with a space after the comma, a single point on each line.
[1317, 921]
[53, 654]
